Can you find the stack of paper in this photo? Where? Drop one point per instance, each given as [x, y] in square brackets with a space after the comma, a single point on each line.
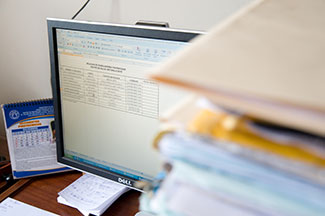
[91, 194]
[284, 148]
[257, 147]
[223, 162]
[232, 181]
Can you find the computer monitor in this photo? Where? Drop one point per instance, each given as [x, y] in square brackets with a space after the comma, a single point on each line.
[106, 108]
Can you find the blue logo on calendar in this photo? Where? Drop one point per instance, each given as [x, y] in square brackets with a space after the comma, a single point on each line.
[14, 114]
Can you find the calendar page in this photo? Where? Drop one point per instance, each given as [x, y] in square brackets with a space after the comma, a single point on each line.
[31, 138]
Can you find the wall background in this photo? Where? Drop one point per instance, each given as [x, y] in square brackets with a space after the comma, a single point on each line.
[24, 60]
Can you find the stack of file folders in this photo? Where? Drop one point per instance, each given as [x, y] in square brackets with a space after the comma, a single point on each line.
[256, 146]
[223, 163]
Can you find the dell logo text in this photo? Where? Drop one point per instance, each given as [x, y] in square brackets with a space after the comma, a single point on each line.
[124, 181]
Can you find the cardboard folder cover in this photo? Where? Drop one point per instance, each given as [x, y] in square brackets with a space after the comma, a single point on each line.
[267, 61]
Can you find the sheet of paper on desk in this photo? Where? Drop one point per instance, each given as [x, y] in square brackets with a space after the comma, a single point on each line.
[91, 194]
[11, 207]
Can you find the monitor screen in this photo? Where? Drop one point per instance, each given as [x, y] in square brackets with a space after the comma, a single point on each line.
[106, 109]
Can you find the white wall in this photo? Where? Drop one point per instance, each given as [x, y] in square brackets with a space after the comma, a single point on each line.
[24, 61]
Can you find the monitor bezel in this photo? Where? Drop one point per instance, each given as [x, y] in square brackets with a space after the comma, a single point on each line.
[105, 28]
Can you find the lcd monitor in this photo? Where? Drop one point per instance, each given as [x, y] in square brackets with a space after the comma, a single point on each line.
[106, 108]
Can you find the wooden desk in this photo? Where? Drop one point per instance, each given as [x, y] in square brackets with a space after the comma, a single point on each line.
[43, 191]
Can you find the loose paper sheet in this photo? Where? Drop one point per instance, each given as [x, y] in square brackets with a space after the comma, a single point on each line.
[12, 207]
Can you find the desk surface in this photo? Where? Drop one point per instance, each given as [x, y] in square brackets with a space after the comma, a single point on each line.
[43, 191]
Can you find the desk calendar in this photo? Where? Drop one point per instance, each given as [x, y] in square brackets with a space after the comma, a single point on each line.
[31, 137]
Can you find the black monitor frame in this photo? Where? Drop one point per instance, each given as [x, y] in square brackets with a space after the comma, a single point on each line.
[106, 28]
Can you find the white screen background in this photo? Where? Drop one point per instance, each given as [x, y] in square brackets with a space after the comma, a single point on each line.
[110, 132]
